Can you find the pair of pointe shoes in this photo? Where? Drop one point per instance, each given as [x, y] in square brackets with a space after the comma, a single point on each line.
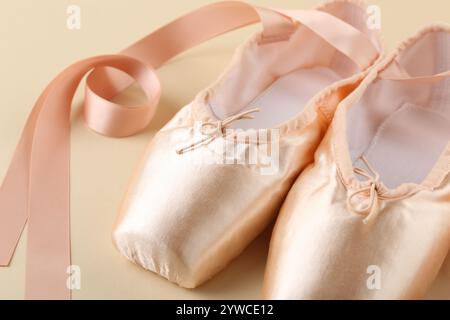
[358, 182]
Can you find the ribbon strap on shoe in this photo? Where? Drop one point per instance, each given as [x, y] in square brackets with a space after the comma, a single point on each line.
[395, 72]
[36, 186]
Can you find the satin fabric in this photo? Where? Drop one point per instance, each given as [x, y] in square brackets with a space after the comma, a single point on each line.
[186, 220]
[36, 188]
[321, 249]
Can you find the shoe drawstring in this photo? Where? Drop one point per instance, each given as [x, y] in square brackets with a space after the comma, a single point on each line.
[372, 192]
[218, 129]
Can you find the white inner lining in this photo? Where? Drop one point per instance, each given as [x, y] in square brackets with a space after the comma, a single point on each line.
[281, 77]
[287, 96]
[402, 128]
[407, 145]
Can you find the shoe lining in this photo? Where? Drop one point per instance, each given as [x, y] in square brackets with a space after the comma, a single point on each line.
[403, 128]
[402, 152]
[281, 77]
[288, 96]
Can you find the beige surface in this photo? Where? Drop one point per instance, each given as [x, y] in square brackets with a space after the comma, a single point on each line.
[35, 45]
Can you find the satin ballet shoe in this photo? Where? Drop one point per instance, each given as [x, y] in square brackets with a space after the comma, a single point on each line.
[185, 216]
[370, 219]
[191, 209]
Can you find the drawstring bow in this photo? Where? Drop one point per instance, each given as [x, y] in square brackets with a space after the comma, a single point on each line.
[218, 129]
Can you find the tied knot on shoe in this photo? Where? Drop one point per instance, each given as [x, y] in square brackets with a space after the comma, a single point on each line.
[217, 129]
[372, 192]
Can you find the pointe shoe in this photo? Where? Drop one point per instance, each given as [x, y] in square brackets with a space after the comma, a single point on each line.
[370, 219]
[186, 217]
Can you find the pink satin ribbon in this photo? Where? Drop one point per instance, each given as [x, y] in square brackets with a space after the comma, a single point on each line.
[37, 187]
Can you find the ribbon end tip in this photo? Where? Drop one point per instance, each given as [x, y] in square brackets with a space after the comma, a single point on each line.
[4, 263]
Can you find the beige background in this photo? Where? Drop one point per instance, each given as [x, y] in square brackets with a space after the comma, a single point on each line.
[35, 45]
